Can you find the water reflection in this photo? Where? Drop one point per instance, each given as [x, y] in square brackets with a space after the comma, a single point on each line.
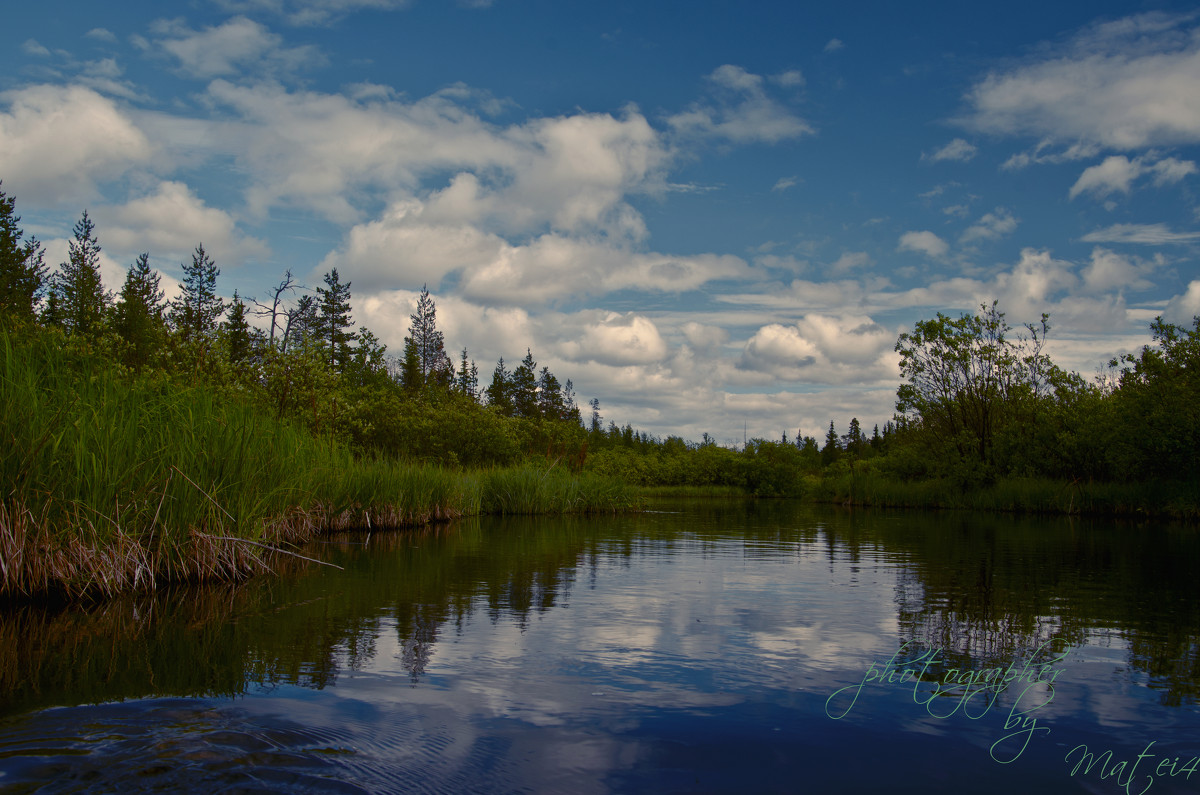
[634, 646]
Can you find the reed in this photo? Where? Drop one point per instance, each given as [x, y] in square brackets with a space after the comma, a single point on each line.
[112, 483]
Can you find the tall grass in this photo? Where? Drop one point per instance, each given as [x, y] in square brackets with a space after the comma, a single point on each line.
[109, 483]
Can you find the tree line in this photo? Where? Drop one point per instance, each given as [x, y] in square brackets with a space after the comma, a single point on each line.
[980, 402]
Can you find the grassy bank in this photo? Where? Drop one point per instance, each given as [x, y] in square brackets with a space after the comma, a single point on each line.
[1166, 499]
[112, 482]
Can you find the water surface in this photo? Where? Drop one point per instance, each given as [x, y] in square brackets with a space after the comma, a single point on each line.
[709, 647]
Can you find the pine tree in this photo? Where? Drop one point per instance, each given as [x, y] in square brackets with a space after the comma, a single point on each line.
[854, 442]
[333, 321]
[22, 266]
[138, 315]
[80, 293]
[570, 407]
[194, 314]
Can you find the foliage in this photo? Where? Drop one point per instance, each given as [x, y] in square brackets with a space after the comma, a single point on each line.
[138, 315]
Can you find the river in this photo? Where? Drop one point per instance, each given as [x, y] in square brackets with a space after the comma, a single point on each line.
[705, 646]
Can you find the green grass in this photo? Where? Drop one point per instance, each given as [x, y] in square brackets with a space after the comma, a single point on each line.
[111, 483]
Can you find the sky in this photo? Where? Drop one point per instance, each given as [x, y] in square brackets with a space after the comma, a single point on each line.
[713, 217]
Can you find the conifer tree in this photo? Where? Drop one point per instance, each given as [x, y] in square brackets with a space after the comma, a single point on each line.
[22, 265]
[431, 349]
[333, 321]
[467, 383]
[523, 388]
[80, 294]
[242, 342]
[596, 425]
[499, 393]
[194, 314]
[138, 315]
[549, 396]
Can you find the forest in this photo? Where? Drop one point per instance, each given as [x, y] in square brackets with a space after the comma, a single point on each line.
[120, 410]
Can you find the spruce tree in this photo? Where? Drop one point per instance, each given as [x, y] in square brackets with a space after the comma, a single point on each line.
[194, 314]
[523, 388]
[80, 294]
[242, 343]
[333, 321]
[549, 396]
[435, 365]
[499, 393]
[22, 267]
[467, 382]
[138, 315]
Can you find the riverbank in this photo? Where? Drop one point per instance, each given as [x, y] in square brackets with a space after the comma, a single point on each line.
[114, 482]
[1151, 499]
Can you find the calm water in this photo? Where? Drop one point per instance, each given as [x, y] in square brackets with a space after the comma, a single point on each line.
[710, 647]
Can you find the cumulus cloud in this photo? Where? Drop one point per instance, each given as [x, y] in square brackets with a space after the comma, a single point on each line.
[1184, 308]
[741, 113]
[618, 340]
[170, 222]
[992, 226]
[57, 141]
[404, 247]
[821, 349]
[569, 173]
[926, 243]
[1109, 271]
[234, 47]
[1149, 234]
[1124, 84]
[957, 150]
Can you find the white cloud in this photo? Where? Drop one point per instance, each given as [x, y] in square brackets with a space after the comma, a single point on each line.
[569, 173]
[1044, 152]
[1118, 173]
[1108, 271]
[833, 45]
[784, 183]
[1182, 309]
[233, 48]
[310, 12]
[1126, 84]
[793, 78]
[822, 348]
[102, 34]
[957, 150]
[172, 221]
[743, 113]
[923, 243]
[704, 339]
[57, 141]
[1150, 234]
[32, 47]
[850, 260]
[618, 340]
[992, 226]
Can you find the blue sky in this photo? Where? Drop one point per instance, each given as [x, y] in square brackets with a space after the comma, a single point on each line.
[714, 217]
